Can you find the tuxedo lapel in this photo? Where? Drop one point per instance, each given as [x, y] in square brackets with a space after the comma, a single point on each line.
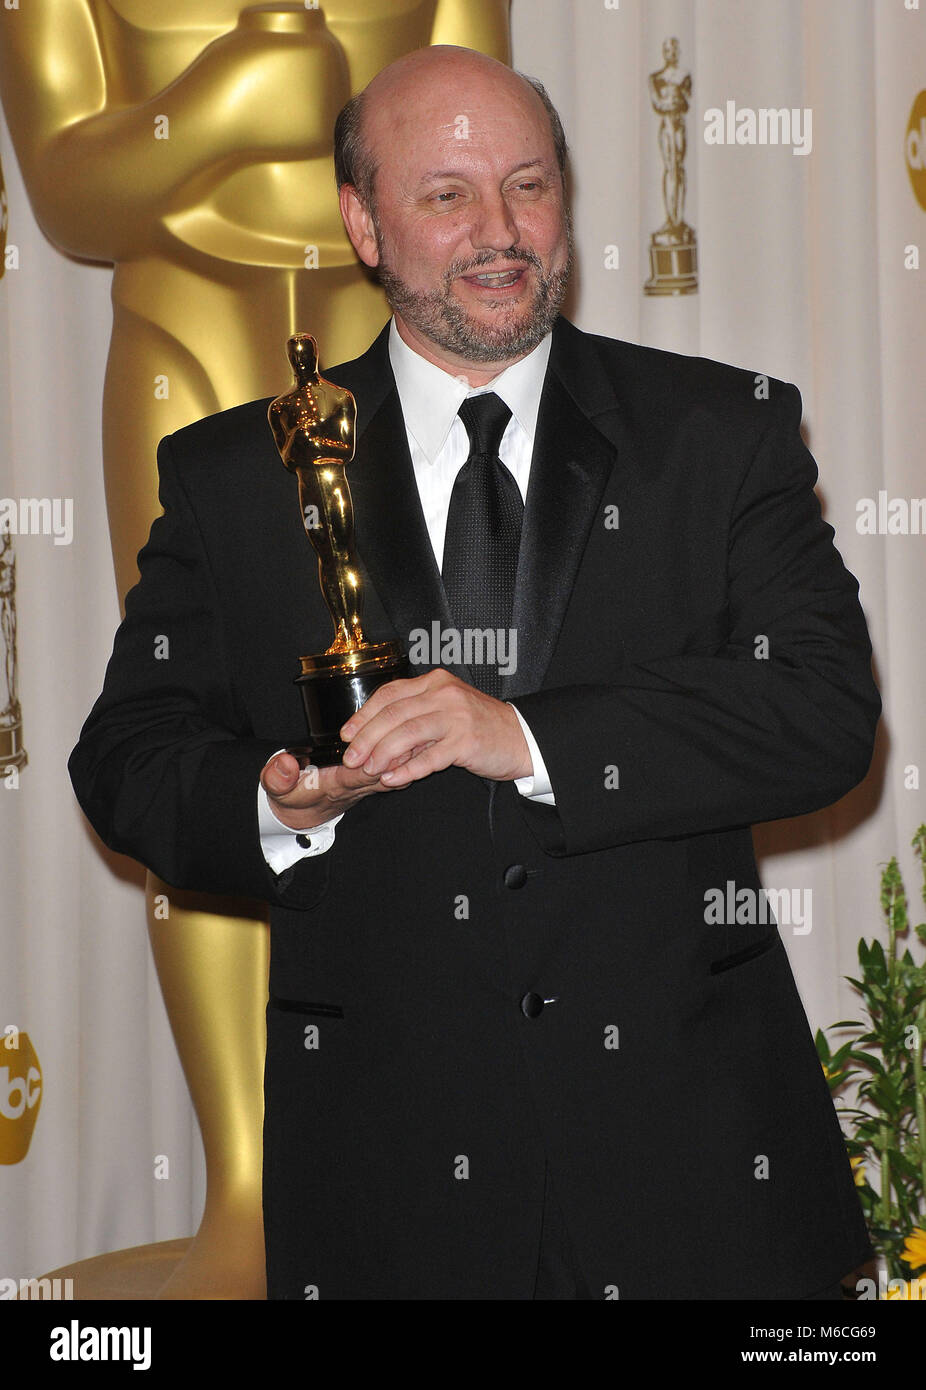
[572, 461]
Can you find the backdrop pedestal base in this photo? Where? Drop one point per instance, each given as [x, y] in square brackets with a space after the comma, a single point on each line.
[137, 1273]
[174, 1269]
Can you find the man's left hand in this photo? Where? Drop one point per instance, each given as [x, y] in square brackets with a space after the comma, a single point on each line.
[436, 721]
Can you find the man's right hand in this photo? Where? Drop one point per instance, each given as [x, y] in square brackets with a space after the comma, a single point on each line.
[304, 801]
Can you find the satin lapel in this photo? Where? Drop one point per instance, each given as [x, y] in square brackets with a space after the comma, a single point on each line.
[572, 462]
[390, 529]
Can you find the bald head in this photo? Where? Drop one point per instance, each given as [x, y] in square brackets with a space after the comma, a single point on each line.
[441, 83]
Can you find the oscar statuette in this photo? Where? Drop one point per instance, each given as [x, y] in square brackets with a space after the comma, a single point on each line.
[313, 426]
[673, 248]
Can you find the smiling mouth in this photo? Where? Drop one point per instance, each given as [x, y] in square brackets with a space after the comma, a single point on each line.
[495, 279]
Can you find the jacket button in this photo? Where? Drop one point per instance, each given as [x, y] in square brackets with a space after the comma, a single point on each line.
[532, 1005]
[515, 876]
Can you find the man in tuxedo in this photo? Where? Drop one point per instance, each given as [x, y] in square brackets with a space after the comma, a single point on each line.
[511, 1055]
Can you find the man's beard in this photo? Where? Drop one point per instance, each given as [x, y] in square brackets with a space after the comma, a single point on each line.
[439, 316]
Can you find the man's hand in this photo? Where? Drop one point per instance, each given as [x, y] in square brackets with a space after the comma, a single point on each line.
[405, 731]
[303, 800]
[411, 728]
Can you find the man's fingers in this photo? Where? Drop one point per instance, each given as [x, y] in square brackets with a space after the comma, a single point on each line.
[292, 786]
[280, 774]
[420, 763]
[389, 694]
[395, 746]
[346, 778]
[399, 726]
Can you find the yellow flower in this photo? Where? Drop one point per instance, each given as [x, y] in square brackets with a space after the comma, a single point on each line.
[858, 1169]
[914, 1250]
[915, 1289]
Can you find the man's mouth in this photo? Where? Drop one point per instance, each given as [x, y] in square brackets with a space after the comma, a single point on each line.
[495, 279]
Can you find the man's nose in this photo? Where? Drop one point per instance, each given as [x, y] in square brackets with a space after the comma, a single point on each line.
[494, 227]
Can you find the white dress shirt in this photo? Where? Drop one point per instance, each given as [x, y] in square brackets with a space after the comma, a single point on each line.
[439, 446]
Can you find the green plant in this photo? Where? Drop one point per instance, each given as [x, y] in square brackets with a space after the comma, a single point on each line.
[886, 1127]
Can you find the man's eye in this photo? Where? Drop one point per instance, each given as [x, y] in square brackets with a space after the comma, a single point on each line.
[446, 196]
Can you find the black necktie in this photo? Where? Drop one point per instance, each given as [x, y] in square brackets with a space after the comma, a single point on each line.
[482, 539]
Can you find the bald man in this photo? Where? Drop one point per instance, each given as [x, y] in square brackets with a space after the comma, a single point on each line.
[511, 1053]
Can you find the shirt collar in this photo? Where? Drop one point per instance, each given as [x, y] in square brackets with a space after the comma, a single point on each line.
[431, 397]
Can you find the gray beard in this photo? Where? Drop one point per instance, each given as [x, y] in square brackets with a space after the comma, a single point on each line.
[442, 319]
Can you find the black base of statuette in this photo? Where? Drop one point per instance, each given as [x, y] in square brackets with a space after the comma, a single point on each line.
[333, 691]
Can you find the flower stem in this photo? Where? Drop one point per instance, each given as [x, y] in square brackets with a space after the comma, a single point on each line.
[919, 1089]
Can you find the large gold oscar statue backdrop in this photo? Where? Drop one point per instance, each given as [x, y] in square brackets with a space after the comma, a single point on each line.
[189, 142]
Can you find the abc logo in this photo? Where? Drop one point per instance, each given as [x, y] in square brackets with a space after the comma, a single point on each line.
[915, 146]
[20, 1096]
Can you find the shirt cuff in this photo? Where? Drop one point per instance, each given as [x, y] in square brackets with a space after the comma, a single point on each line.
[538, 787]
[281, 845]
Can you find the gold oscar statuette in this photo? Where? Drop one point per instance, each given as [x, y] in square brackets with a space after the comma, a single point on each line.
[673, 249]
[314, 426]
[12, 752]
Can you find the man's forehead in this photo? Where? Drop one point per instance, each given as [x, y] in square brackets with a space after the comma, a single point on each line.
[447, 135]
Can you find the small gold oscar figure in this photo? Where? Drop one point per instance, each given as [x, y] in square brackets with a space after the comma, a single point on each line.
[314, 426]
[673, 249]
[12, 752]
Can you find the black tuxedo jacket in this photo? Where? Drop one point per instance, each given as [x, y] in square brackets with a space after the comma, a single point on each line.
[497, 984]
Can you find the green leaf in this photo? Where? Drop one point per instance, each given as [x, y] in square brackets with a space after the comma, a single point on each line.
[903, 1166]
[887, 1094]
[877, 964]
[867, 1059]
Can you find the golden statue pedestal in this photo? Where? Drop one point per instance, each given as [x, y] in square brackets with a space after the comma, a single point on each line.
[673, 269]
[12, 752]
[134, 1275]
[166, 1270]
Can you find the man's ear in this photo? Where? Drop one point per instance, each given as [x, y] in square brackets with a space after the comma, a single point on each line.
[359, 224]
